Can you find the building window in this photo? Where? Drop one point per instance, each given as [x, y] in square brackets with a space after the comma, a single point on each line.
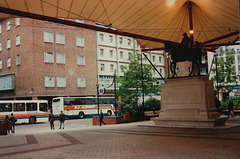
[8, 24]
[9, 62]
[60, 38]
[17, 40]
[18, 60]
[80, 41]
[110, 38]
[111, 53]
[0, 64]
[49, 81]
[121, 54]
[129, 42]
[0, 46]
[102, 67]
[60, 58]
[153, 58]
[129, 53]
[101, 52]
[48, 57]
[160, 70]
[48, 37]
[101, 37]
[80, 60]
[160, 59]
[120, 40]
[61, 81]
[81, 82]
[17, 21]
[111, 67]
[8, 43]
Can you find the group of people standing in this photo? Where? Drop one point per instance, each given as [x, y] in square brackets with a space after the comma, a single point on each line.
[10, 123]
[51, 119]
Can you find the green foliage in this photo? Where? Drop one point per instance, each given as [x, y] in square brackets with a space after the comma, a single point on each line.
[152, 104]
[131, 83]
[226, 72]
[225, 102]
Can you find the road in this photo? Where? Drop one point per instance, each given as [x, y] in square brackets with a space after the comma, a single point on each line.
[45, 126]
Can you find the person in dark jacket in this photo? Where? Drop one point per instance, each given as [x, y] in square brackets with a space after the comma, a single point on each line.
[230, 107]
[101, 118]
[51, 119]
[7, 120]
[13, 120]
[62, 119]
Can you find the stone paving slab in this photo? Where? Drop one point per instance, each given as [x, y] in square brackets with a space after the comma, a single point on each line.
[128, 141]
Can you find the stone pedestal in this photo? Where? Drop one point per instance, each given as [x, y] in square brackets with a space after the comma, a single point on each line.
[188, 101]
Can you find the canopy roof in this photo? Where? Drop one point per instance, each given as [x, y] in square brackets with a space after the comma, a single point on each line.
[215, 22]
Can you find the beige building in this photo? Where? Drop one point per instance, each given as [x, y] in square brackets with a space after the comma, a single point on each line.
[41, 60]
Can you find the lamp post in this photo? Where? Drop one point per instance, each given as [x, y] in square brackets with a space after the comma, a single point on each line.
[115, 93]
[98, 97]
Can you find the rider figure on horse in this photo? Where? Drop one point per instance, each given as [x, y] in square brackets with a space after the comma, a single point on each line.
[185, 43]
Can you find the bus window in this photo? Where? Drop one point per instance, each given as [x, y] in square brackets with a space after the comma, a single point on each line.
[19, 106]
[31, 106]
[43, 107]
[90, 101]
[5, 107]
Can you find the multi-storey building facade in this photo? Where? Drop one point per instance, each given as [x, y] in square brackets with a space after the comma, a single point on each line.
[39, 59]
[113, 52]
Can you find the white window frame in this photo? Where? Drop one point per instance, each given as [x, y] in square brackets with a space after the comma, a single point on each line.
[0, 28]
[101, 52]
[8, 62]
[80, 41]
[18, 60]
[129, 42]
[120, 40]
[48, 57]
[81, 82]
[111, 53]
[0, 64]
[121, 54]
[110, 38]
[60, 38]
[17, 21]
[8, 24]
[49, 81]
[0, 46]
[111, 67]
[17, 40]
[80, 60]
[48, 37]
[61, 81]
[8, 43]
[60, 58]
[101, 37]
[102, 67]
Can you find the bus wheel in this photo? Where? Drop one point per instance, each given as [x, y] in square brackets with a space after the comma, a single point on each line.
[81, 115]
[32, 120]
[109, 113]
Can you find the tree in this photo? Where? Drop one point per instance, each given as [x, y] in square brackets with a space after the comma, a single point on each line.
[225, 72]
[131, 83]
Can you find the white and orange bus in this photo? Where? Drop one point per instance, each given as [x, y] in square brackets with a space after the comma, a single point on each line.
[82, 107]
[26, 111]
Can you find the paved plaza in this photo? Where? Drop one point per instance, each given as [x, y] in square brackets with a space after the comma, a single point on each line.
[139, 140]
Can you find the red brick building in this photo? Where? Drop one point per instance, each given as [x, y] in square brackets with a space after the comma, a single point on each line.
[41, 60]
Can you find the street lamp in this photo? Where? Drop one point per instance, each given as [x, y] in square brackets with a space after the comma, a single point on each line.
[115, 93]
[98, 97]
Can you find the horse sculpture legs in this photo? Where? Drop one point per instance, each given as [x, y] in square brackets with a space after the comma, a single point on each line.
[173, 69]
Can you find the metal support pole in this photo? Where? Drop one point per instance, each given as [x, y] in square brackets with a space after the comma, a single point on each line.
[142, 84]
[216, 75]
[115, 94]
[98, 97]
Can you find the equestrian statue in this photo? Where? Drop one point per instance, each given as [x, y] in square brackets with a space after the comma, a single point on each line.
[185, 51]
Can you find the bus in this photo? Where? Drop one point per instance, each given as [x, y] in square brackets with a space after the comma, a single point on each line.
[80, 107]
[26, 111]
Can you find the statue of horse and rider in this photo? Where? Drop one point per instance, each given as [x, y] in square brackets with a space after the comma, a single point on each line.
[183, 52]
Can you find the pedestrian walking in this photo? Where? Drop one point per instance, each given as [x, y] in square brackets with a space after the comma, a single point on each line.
[101, 118]
[230, 108]
[13, 119]
[62, 119]
[51, 120]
